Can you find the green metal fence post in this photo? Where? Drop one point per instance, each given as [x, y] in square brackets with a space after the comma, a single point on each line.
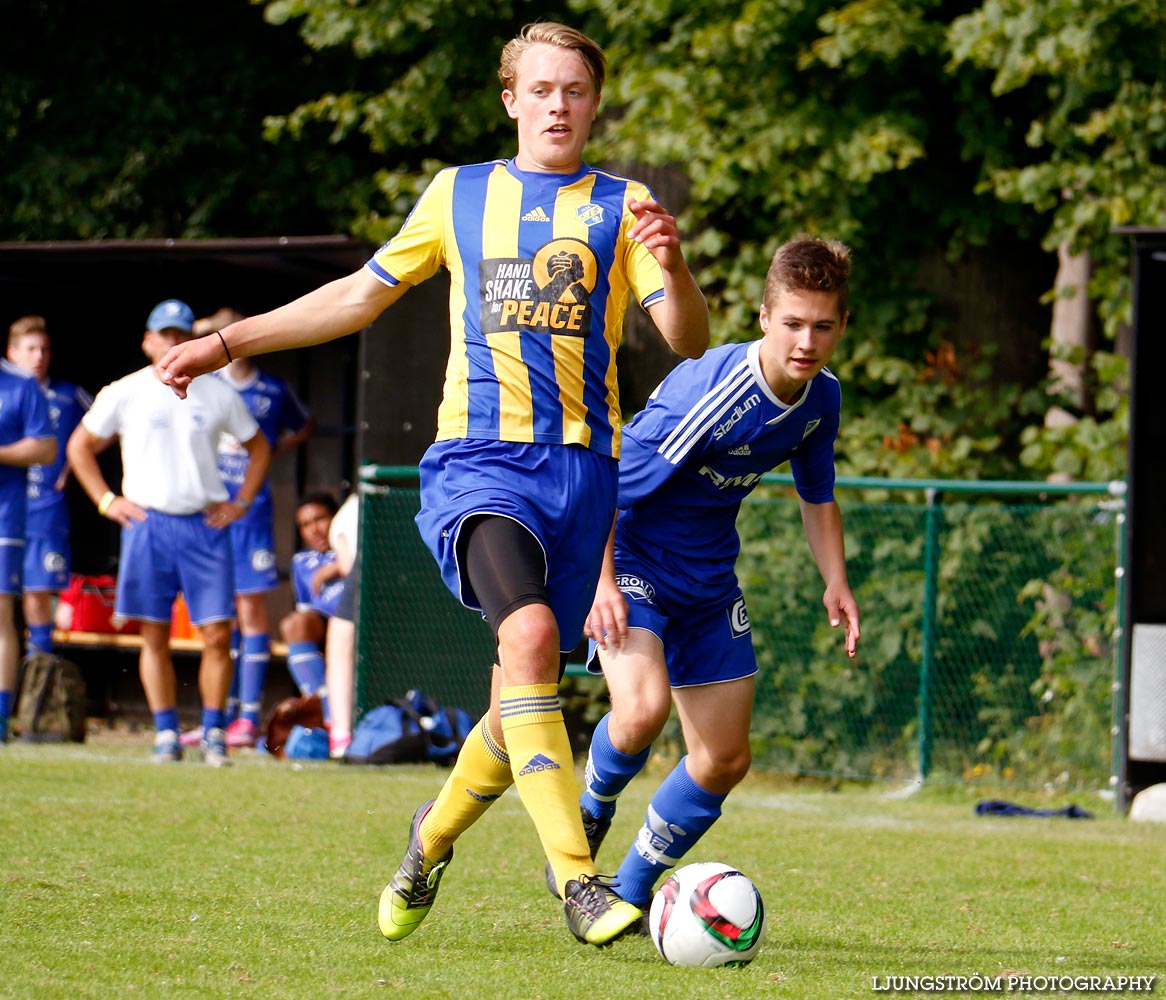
[930, 590]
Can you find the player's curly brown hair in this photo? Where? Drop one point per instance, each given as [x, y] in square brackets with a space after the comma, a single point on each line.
[809, 264]
[552, 33]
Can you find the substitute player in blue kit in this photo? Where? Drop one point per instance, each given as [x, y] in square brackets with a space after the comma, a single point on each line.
[173, 510]
[26, 438]
[544, 254]
[286, 423]
[669, 622]
[47, 551]
[317, 581]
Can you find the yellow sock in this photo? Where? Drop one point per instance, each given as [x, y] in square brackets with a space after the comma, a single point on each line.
[544, 774]
[480, 775]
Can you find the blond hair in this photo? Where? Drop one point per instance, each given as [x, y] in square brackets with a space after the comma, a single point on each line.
[552, 33]
[25, 327]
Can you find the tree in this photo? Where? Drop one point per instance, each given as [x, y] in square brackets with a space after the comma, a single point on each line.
[1094, 68]
[147, 123]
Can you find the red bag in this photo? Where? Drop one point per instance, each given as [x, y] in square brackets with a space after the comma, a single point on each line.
[86, 605]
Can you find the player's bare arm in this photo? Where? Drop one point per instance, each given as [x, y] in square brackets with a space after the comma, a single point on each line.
[682, 317]
[823, 526]
[291, 440]
[29, 451]
[607, 621]
[83, 448]
[333, 310]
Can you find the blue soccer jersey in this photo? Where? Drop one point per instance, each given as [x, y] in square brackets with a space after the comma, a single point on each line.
[48, 513]
[303, 568]
[277, 409]
[24, 413]
[710, 431]
[541, 271]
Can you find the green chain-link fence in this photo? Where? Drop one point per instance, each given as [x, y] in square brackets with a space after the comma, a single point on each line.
[988, 626]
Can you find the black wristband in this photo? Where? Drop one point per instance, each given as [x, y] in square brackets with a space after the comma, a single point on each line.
[226, 349]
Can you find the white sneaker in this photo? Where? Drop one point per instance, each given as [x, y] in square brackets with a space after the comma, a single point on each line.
[213, 749]
[167, 749]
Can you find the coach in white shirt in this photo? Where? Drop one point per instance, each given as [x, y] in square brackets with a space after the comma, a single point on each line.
[173, 508]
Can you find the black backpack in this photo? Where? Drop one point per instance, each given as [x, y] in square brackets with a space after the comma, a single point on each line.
[51, 700]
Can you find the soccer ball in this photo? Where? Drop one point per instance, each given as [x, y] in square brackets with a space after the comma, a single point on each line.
[707, 914]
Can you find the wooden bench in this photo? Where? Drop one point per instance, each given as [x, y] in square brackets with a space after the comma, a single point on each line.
[118, 640]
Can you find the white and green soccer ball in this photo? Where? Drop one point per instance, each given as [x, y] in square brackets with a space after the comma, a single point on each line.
[707, 914]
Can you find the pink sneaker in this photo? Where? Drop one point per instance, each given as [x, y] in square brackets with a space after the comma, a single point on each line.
[191, 738]
[242, 733]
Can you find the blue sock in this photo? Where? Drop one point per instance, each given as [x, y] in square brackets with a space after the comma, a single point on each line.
[5, 710]
[233, 698]
[305, 663]
[608, 772]
[213, 718]
[40, 638]
[678, 816]
[255, 655]
[166, 719]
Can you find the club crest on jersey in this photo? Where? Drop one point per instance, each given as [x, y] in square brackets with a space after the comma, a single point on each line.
[636, 586]
[738, 618]
[549, 293]
[811, 427]
[590, 214]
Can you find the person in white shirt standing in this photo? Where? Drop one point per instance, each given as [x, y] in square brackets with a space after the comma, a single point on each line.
[173, 509]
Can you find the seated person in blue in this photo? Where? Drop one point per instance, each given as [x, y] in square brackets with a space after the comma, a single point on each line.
[317, 580]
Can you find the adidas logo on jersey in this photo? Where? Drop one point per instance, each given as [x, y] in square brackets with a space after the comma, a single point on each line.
[536, 214]
[539, 762]
[741, 449]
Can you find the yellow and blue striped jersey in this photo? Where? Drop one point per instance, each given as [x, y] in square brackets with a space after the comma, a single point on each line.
[541, 271]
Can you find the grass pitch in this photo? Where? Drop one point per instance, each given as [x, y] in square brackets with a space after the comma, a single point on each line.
[119, 878]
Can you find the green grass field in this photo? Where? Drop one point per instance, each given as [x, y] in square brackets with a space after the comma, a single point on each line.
[125, 879]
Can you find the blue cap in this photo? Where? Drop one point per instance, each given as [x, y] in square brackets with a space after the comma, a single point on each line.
[171, 315]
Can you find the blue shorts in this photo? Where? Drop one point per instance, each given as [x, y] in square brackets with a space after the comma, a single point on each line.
[701, 645]
[564, 495]
[11, 565]
[46, 563]
[167, 553]
[253, 549]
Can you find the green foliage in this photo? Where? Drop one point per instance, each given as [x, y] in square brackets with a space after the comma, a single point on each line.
[126, 127]
[914, 130]
[1021, 655]
[1094, 447]
[850, 121]
[433, 99]
[1100, 139]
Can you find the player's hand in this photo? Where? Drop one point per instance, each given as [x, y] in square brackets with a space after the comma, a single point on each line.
[219, 515]
[185, 362]
[607, 622]
[841, 606]
[656, 229]
[125, 512]
[324, 575]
